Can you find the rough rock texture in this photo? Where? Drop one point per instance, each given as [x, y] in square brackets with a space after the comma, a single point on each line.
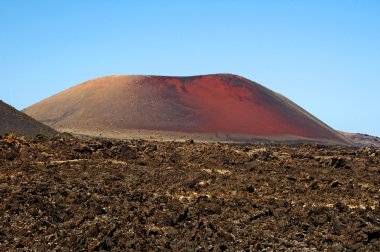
[14, 121]
[92, 194]
[208, 104]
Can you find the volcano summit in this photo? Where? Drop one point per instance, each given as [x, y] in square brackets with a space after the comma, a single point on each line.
[219, 107]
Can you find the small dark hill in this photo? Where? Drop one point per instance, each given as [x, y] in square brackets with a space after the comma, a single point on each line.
[14, 121]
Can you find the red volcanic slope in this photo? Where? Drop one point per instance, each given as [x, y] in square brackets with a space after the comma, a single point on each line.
[219, 103]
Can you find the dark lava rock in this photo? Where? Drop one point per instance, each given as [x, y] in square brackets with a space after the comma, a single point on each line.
[93, 194]
[339, 163]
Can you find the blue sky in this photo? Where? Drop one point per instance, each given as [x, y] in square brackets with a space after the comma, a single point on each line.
[323, 55]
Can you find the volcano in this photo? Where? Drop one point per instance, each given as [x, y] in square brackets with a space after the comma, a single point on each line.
[14, 121]
[221, 106]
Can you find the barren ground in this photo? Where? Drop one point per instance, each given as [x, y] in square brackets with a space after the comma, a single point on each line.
[176, 136]
[94, 194]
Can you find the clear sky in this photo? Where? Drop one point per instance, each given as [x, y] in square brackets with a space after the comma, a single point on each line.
[323, 55]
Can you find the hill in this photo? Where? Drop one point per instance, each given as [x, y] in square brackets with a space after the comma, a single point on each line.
[221, 107]
[14, 121]
[362, 139]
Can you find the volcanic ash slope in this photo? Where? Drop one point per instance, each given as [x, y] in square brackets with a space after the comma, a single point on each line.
[224, 106]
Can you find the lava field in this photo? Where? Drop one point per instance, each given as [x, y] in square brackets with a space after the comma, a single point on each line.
[83, 194]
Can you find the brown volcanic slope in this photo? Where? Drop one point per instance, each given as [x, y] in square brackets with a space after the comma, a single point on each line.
[14, 121]
[211, 104]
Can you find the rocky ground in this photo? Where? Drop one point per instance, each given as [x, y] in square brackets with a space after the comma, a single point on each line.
[90, 194]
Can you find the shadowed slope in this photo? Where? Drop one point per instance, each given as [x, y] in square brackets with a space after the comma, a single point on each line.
[208, 104]
[14, 121]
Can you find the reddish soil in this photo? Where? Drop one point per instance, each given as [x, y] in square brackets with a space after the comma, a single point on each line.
[220, 103]
[95, 194]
